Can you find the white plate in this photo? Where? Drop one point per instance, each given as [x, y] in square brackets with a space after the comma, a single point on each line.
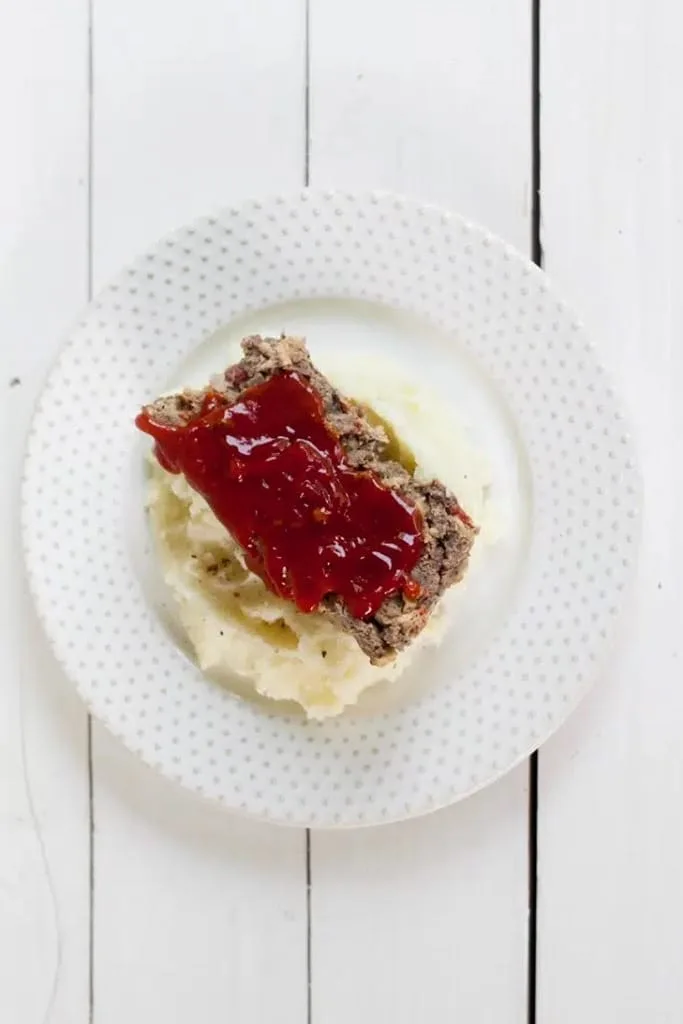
[474, 321]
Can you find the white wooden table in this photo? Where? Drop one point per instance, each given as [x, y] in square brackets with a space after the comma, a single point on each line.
[121, 119]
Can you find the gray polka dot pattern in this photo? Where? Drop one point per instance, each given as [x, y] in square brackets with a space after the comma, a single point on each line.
[461, 734]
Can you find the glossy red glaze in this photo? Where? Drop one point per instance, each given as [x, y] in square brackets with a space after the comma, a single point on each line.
[276, 476]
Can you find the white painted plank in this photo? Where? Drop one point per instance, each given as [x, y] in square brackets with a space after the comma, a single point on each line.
[43, 766]
[425, 920]
[611, 831]
[194, 109]
[432, 99]
[199, 916]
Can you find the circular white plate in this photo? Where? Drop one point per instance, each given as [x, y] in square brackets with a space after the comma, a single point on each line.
[474, 320]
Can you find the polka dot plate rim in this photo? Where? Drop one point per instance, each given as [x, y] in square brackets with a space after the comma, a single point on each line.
[463, 732]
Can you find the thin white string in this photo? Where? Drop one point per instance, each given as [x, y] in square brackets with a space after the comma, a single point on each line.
[43, 855]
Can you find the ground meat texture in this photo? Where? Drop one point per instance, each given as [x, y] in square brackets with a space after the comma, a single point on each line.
[449, 533]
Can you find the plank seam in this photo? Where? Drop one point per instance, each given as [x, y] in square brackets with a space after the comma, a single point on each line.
[536, 245]
[307, 94]
[537, 257]
[309, 945]
[91, 786]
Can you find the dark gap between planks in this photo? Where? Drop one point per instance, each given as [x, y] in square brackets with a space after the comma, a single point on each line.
[537, 257]
[91, 780]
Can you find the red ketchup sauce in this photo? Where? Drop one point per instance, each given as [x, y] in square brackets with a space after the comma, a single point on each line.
[276, 477]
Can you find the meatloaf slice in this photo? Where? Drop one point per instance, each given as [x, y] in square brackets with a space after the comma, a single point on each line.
[449, 533]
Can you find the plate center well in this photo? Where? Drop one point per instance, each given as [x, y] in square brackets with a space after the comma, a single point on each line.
[355, 343]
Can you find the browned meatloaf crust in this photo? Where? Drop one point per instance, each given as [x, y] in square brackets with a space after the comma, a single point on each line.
[449, 533]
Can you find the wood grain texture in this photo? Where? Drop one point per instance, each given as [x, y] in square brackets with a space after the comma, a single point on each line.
[194, 109]
[431, 99]
[610, 828]
[198, 915]
[43, 260]
[425, 920]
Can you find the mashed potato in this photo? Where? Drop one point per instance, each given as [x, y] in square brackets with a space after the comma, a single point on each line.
[238, 628]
